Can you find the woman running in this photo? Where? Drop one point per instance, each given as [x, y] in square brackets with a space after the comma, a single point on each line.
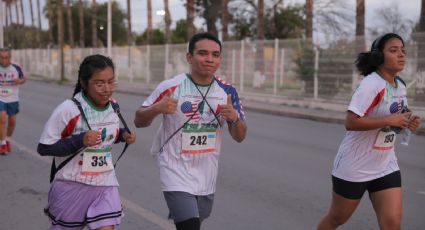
[366, 159]
[84, 192]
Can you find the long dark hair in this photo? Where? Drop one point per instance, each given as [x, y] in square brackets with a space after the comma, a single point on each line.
[368, 62]
[90, 65]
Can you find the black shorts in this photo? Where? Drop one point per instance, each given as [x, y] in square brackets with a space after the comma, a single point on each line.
[355, 190]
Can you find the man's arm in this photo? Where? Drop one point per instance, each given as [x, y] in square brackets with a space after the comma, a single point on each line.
[145, 115]
[237, 127]
[237, 130]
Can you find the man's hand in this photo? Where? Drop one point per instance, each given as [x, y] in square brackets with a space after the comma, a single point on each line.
[167, 105]
[19, 81]
[227, 110]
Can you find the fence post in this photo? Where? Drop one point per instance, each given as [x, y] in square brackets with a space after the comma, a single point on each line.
[242, 66]
[148, 63]
[275, 63]
[316, 70]
[130, 62]
[166, 61]
[233, 66]
[282, 66]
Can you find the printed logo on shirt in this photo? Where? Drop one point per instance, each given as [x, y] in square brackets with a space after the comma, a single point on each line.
[188, 108]
[396, 106]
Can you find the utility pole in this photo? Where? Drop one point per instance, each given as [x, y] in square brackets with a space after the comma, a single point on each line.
[109, 28]
[2, 22]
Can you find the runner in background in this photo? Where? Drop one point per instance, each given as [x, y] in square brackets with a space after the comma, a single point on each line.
[11, 76]
[195, 107]
[84, 192]
[366, 159]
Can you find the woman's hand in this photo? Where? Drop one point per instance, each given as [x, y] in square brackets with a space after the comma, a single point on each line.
[414, 123]
[400, 120]
[129, 138]
[91, 138]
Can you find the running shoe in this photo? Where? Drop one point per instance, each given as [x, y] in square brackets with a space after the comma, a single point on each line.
[8, 147]
[3, 149]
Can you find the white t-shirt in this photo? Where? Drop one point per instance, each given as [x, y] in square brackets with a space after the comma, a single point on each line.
[358, 158]
[188, 162]
[9, 92]
[65, 121]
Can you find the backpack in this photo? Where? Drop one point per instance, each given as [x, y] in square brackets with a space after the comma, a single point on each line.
[116, 107]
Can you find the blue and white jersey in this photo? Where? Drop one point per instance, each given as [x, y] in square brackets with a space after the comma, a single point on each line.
[359, 158]
[188, 142]
[9, 92]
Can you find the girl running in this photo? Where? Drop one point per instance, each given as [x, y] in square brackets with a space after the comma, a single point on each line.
[366, 158]
[84, 192]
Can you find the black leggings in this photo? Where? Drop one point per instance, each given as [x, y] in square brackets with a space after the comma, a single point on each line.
[190, 224]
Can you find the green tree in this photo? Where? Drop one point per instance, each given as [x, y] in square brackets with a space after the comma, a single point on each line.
[285, 23]
[179, 34]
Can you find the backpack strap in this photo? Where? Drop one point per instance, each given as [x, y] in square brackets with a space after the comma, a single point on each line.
[401, 80]
[116, 108]
[54, 169]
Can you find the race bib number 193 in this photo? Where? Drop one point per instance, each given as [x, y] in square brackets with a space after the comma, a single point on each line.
[384, 140]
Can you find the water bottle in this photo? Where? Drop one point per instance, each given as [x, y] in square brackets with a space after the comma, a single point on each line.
[406, 137]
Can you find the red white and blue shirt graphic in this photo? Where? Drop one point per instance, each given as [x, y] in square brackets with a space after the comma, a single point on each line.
[184, 164]
[358, 159]
[9, 92]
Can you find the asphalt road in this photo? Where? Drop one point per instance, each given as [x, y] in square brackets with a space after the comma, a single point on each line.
[278, 178]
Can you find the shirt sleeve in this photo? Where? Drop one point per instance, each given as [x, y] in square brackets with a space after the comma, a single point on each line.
[161, 90]
[61, 123]
[365, 97]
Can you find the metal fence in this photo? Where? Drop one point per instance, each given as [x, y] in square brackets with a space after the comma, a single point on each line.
[287, 68]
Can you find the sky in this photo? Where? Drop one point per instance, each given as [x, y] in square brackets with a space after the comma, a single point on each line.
[409, 8]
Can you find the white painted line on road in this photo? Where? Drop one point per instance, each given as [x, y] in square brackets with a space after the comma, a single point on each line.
[421, 192]
[137, 209]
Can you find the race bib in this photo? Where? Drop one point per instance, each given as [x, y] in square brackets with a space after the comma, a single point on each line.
[198, 142]
[97, 160]
[5, 92]
[384, 140]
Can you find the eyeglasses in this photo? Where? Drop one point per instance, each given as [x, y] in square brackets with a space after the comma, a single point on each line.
[100, 86]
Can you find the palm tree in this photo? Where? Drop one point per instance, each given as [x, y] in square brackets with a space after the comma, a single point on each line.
[421, 40]
[129, 34]
[32, 14]
[149, 31]
[22, 12]
[60, 38]
[70, 26]
[260, 20]
[190, 15]
[360, 25]
[309, 19]
[167, 19]
[39, 24]
[17, 13]
[93, 24]
[50, 17]
[225, 16]
[81, 19]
